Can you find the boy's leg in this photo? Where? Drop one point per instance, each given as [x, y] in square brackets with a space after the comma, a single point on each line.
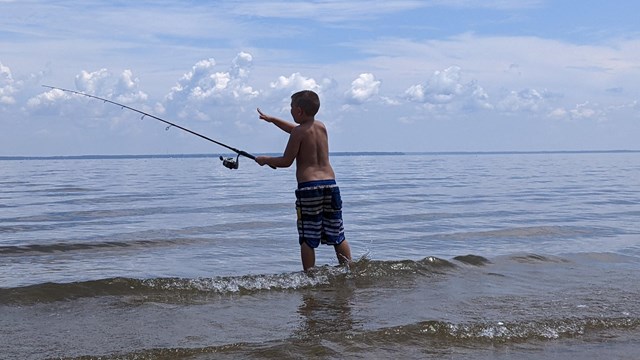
[308, 256]
[343, 252]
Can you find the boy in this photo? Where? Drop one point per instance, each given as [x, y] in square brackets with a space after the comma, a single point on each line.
[318, 201]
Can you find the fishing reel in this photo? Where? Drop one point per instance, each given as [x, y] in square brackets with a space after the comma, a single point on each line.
[230, 162]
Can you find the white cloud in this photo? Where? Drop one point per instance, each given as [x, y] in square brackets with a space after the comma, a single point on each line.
[127, 89]
[415, 93]
[362, 89]
[558, 113]
[94, 83]
[296, 82]
[123, 88]
[7, 86]
[84, 111]
[444, 86]
[208, 94]
[282, 88]
[502, 63]
[47, 99]
[527, 100]
[445, 89]
[241, 65]
[202, 88]
[583, 111]
[5, 74]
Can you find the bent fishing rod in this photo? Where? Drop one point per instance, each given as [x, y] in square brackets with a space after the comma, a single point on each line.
[230, 163]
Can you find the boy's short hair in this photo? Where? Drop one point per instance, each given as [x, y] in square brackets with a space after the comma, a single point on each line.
[307, 100]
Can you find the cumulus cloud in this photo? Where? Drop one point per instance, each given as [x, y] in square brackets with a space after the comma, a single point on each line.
[445, 89]
[127, 88]
[203, 87]
[584, 111]
[94, 82]
[282, 88]
[296, 82]
[241, 65]
[122, 88]
[204, 83]
[581, 111]
[527, 100]
[7, 86]
[46, 100]
[362, 89]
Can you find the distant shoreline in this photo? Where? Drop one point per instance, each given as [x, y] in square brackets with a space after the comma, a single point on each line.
[340, 153]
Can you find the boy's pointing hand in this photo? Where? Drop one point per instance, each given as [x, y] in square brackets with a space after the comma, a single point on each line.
[264, 116]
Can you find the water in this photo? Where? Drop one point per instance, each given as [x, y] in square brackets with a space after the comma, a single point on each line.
[486, 256]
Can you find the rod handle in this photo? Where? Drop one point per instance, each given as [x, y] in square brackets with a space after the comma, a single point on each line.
[247, 155]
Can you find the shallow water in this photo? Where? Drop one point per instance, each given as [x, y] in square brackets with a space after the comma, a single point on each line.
[489, 256]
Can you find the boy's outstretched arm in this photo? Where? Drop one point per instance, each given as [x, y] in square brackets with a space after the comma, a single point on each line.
[290, 153]
[285, 126]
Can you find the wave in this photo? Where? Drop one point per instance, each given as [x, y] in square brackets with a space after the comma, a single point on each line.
[397, 340]
[181, 289]
[62, 247]
[364, 272]
[502, 332]
[161, 289]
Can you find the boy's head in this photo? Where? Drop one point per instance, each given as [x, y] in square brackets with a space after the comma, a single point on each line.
[307, 100]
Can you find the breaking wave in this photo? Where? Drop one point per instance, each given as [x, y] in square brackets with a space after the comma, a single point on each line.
[174, 289]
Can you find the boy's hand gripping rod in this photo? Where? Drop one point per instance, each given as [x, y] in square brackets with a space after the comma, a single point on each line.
[228, 162]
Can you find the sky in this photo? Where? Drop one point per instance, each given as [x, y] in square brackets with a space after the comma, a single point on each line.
[402, 75]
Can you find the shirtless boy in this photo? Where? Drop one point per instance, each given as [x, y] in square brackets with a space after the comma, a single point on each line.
[318, 201]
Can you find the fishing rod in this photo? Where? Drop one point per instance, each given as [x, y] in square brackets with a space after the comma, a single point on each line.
[230, 163]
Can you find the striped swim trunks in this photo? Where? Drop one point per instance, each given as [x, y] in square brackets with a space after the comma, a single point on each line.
[319, 208]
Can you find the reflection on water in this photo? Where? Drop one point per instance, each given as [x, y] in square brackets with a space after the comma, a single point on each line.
[326, 311]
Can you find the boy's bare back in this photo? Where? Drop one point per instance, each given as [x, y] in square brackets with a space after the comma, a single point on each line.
[312, 158]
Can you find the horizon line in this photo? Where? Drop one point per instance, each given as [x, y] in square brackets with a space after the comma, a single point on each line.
[336, 153]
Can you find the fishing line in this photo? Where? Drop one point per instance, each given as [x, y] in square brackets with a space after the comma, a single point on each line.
[230, 163]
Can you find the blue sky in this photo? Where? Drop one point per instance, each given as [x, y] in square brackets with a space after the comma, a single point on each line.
[399, 75]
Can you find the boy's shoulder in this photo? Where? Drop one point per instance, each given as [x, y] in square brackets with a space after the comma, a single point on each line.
[310, 126]
[317, 124]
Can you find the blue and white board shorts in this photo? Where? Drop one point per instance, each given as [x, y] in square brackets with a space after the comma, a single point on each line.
[319, 208]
